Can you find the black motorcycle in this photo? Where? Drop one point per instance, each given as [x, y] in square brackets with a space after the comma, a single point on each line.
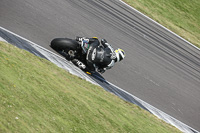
[72, 50]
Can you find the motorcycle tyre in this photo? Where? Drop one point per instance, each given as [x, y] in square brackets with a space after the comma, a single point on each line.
[63, 44]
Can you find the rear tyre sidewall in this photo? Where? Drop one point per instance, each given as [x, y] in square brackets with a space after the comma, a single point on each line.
[63, 44]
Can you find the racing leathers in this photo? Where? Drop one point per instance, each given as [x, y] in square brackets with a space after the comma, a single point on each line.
[99, 56]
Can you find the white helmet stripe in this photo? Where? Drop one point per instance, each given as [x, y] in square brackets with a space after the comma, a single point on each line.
[117, 55]
[121, 54]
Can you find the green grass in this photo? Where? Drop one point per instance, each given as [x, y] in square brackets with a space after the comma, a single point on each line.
[180, 16]
[37, 96]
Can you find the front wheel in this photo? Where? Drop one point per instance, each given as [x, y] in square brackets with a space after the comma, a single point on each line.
[64, 43]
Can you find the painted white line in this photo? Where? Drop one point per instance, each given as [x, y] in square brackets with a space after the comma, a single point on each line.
[1, 39]
[160, 25]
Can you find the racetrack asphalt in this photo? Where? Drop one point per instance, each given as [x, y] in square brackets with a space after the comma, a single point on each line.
[159, 68]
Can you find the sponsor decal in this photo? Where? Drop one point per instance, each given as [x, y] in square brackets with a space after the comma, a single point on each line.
[88, 53]
[94, 54]
[102, 57]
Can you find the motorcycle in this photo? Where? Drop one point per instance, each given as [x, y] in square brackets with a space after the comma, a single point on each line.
[72, 50]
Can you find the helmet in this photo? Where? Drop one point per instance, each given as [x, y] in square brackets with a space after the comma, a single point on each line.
[120, 54]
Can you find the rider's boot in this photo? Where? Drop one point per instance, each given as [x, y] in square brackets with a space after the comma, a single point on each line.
[79, 39]
[79, 64]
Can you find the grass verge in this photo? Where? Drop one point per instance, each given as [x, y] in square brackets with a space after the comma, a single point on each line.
[37, 96]
[180, 16]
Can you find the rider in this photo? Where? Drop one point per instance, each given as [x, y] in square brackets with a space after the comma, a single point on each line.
[99, 56]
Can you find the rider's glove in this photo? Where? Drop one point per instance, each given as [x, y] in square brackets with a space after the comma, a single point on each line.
[103, 41]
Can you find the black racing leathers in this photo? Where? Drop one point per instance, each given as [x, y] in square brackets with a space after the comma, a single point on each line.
[99, 56]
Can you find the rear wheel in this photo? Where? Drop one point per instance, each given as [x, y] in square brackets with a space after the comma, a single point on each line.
[63, 44]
